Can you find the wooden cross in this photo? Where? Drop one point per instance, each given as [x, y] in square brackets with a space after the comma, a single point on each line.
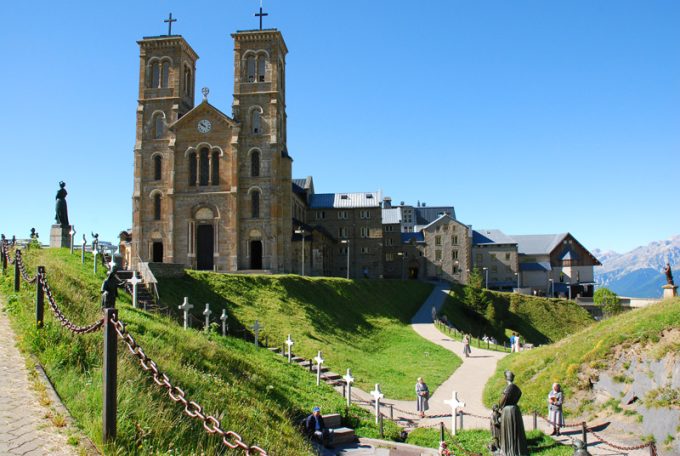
[169, 21]
[290, 343]
[377, 395]
[454, 403]
[319, 361]
[349, 380]
[224, 319]
[260, 15]
[207, 313]
[186, 307]
[134, 281]
[256, 330]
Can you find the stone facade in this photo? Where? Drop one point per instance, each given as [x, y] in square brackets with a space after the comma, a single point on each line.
[447, 249]
[495, 255]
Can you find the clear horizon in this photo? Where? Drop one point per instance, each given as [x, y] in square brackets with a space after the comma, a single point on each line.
[529, 117]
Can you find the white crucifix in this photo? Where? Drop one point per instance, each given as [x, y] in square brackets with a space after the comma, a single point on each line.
[134, 281]
[377, 395]
[224, 319]
[207, 313]
[186, 307]
[349, 380]
[319, 361]
[256, 330]
[82, 251]
[290, 343]
[72, 233]
[454, 403]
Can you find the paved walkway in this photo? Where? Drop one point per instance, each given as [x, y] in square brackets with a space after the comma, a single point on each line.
[24, 430]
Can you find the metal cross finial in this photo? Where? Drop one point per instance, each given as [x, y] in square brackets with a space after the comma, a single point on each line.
[169, 21]
[260, 15]
[205, 91]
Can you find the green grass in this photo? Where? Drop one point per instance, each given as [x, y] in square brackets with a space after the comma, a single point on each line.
[538, 320]
[591, 348]
[252, 391]
[363, 325]
[476, 441]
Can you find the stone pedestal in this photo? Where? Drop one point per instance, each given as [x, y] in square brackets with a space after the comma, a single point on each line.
[670, 291]
[60, 236]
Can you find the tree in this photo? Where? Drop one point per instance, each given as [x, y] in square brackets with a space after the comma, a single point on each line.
[608, 301]
[490, 314]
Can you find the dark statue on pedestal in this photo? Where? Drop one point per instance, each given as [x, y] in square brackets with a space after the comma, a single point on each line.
[669, 274]
[507, 427]
[61, 216]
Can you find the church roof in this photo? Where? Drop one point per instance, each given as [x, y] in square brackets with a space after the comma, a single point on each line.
[538, 244]
[391, 216]
[204, 106]
[485, 237]
[344, 200]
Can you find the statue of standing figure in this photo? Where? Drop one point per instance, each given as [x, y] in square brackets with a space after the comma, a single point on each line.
[61, 216]
[669, 274]
[511, 439]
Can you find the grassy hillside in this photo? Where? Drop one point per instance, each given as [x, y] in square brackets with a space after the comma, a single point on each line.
[255, 393]
[362, 325]
[538, 320]
[592, 347]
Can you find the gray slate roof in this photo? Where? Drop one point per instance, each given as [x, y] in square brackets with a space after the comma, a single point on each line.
[537, 244]
[344, 200]
[427, 215]
[485, 237]
[391, 216]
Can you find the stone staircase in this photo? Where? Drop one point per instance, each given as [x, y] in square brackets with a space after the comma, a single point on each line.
[341, 434]
[145, 299]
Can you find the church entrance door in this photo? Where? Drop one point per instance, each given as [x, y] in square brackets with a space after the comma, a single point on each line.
[255, 254]
[157, 252]
[204, 247]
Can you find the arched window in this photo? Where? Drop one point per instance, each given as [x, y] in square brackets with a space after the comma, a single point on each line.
[157, 163]
[215, 168]
[250, 69]
[256, 121]
[187, 80]
[158, 127]
[157, 206]
[260, 68]
[204, 166]
[255, 164]
[192, 169]
[255, 204]
[155, 75]
[165, 74]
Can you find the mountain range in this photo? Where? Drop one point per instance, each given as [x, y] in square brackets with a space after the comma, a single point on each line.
[638, 273]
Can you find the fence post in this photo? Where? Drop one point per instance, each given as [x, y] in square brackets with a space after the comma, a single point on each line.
[652, 449]
[110, 375]
[39, 298]
[310, 365]
[441, 431]
[382, 430]
[4, 258]
[584, 433]
[461, 414]
[344, 390]
[535, 414]
[17, 283]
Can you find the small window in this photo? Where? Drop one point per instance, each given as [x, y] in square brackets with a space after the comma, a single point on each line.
[255, 204]
[344, 197]
[389, 257]
[342, 215]
[369, 196]
[320, 215]
[343, 232]
[159, 127]
[155, 75]
[157, 167]
[255, 164]
[250, 69]
[364, 214]
[365, 250]
[389, 241]
[204, 167]
[165, 74]
[215, 178]
[454, 254]
[364, 231]
[454, 240]
[192, 169]
[260, 68]
[507, 256]
[157, 206]
[255, 119]
[187, 81]
[437, 240]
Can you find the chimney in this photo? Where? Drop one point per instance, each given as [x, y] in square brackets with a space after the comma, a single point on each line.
[387, 202]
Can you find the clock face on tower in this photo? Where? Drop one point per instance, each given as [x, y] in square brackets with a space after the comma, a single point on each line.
[204, 126]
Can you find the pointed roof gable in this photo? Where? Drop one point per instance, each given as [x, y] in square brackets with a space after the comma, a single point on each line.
[439, 220]
[198, 111]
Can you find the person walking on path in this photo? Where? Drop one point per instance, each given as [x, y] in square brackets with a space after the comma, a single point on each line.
[466, 345]
[555, 400]
[422, 396]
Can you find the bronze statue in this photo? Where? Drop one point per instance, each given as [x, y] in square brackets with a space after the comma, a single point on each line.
[61, 216]
[112, 282]
[580, 448]
[669, 274]
[495, 426]
[513, 440]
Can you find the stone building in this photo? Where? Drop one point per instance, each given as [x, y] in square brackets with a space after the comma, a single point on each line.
[447, 249]
[495, 255]
[395, 258]
[212, 191]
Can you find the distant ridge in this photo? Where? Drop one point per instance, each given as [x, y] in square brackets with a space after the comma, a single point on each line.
[639, 273]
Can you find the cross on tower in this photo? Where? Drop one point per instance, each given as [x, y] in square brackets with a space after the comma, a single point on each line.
[260, 15]
[170, 20]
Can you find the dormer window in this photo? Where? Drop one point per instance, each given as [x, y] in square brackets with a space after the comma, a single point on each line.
[369, 196]
[344, 197]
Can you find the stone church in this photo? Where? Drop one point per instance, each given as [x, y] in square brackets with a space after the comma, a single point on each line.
[212, 191]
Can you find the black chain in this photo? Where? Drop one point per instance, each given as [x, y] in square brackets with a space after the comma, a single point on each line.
[65, 322]
[22, 269]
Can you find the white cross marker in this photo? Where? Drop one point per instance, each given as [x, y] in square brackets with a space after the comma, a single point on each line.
[256, 330]
[349, 380]
[186, 307]
[224, 319]
[72, 233]
[207, 313]
[377, 395]
[134, 281]
[290, 343]
[82, 251]
[454, 403]
[94, 255]
[319, 361]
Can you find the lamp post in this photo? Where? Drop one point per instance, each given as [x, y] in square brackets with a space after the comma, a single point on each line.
[569, 289]
[403, 270]
[486, 277]
[552, 288]
[346, 241]
[517, 274]
[301, 232]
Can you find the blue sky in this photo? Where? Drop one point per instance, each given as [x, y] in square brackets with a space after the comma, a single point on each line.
[528, 116]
